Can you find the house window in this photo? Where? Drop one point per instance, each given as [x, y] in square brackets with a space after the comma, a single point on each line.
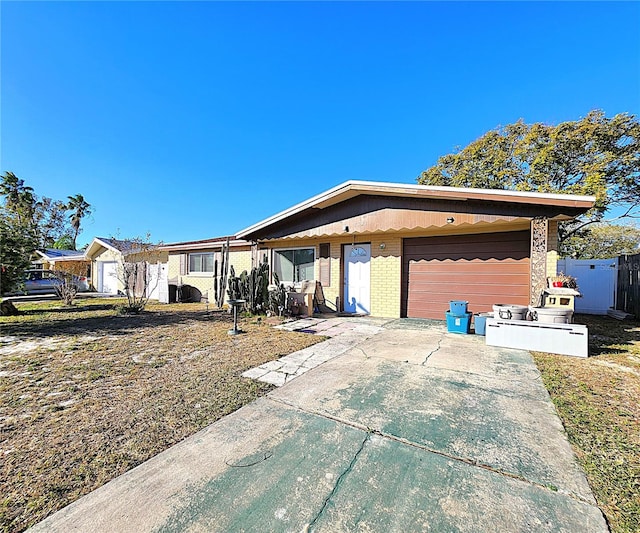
[201, 262]
[294, 265]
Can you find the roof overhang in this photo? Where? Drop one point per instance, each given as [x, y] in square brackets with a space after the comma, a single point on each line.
[216, 242]
[78, 256]
[351, 189]
[95, 246]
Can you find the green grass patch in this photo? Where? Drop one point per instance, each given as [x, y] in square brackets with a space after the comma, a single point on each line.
[598, 400]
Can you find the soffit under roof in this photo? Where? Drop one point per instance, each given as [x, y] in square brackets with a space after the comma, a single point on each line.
[570, 203]
[374, 213]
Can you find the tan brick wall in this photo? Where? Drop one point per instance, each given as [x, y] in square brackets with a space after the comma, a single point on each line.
[203, 283]
[240, 260]
[332, 292]
[173, 269]
[552, 248]
[386, 272]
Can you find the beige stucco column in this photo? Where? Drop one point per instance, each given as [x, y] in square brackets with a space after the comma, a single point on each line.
[539, 249]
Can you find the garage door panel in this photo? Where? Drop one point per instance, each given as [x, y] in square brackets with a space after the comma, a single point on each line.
[482, 269]
[468, 247]
[507, 236]
[437, 308]
[462, 240]
[437, 267]
[504, 284]
[433, 292]
[498, 253]
[480, 248]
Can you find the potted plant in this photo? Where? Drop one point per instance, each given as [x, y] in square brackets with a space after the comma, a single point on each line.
[563, 280]
[556, 281]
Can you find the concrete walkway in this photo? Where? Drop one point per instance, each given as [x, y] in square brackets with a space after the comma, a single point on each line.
[343, 333]
[411, 429]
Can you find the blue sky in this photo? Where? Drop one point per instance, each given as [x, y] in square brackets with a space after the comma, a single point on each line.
[192, 120]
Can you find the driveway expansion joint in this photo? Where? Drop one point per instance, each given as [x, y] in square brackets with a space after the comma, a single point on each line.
[465, 460]
[369, 441]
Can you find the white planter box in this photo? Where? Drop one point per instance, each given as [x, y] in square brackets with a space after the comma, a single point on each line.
[565, 339]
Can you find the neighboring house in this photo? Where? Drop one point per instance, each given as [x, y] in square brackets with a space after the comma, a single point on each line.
[196, 264]
[400, 250]
[71, 260]
[107, 257]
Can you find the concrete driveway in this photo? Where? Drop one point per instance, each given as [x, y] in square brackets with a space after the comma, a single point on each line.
[410, 429]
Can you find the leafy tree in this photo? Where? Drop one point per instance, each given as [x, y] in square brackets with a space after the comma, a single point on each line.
[28, 222]
[19, 199]
[596, 155]
[45, 215]
[64, 243]
[17, 241]
[18, 237]
[79, 209]
[67, 277]
[602, 241]
[51, 222]
[135, 273]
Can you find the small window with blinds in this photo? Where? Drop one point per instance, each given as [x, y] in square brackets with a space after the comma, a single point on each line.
[294, 264]
[201, 262]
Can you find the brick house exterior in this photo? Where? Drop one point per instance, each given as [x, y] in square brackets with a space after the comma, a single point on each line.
[426, 244]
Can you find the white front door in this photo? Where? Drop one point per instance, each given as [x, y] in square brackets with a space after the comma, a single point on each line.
[108, 281]
[357, 278]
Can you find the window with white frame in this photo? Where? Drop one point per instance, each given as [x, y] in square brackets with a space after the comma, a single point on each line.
[201, 262]
[294, 264]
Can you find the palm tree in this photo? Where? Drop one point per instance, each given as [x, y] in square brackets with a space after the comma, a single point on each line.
[79, 209]
[19, 198]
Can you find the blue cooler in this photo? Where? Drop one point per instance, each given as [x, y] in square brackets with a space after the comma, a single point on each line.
[458, 323]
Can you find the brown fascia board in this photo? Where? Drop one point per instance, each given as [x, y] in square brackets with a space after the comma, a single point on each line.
[351, 189]
[216, 242]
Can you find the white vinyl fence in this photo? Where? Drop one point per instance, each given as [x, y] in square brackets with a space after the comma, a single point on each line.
[158, 288]
[596, 281]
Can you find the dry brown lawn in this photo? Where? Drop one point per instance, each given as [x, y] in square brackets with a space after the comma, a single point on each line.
[598, 400]
[86, 394]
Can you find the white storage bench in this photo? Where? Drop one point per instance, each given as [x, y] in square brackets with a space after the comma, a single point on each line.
[565, 339]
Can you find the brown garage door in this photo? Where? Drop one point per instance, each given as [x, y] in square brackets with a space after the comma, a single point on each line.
[483, 269]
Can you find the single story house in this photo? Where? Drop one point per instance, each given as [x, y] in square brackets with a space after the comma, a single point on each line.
[71, 260]
[404, 250]
[108, 255]
[197, 264]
